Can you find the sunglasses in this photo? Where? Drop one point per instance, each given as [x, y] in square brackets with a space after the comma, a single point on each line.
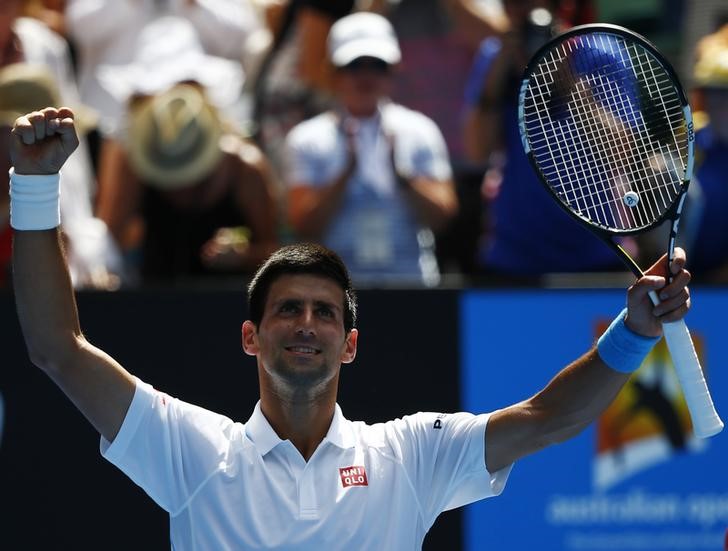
[367, 64]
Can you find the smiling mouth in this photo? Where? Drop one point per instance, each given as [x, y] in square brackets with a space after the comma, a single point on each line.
[303, 350]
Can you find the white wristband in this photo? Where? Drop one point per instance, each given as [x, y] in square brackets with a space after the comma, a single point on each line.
[35, 201]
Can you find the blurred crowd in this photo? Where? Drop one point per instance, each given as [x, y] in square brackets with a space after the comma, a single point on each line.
[213, 131]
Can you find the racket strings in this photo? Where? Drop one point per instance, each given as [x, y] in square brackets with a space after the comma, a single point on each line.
[662, 87]
[591, 120]
[588, 197]
[673, 118]
[614, 141]
[603, 120]
[618, 148]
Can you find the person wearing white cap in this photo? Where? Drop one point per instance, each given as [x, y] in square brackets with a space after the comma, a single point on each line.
[370, 179]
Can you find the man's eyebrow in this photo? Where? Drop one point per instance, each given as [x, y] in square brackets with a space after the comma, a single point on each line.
[299, 301]
[288, 300]
[331, 305]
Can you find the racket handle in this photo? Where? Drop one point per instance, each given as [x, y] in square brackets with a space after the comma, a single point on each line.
[687, 366]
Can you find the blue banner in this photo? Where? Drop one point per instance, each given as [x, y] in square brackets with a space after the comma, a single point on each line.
[637, 479]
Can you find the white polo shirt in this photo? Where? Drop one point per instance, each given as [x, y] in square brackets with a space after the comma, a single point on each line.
[229, 485]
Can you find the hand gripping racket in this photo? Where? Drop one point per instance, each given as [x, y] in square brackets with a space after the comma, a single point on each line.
[608, 129]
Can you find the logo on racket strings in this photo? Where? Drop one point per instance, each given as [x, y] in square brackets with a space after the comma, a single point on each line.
[631, 199]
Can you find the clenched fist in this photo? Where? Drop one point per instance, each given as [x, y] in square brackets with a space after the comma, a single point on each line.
[42, 141]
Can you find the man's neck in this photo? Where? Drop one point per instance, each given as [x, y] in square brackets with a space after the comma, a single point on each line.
[304, 421]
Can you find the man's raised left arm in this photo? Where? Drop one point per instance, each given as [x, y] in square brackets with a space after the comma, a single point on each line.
[580, 392]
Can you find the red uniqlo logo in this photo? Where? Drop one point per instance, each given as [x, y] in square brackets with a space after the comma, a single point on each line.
[353, 476]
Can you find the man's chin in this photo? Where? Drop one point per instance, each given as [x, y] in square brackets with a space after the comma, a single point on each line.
[303, 374]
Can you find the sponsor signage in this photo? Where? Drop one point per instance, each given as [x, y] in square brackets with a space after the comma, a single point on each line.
[638, 479]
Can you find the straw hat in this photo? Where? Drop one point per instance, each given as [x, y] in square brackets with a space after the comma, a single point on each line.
[26, 87]
[711, 65]
[173, 137]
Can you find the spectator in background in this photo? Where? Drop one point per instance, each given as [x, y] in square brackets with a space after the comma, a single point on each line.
[180, 185]
[293, 83]
[370, 179]
[530, 234]
[105, 32]
[709, 223]
[36, 72]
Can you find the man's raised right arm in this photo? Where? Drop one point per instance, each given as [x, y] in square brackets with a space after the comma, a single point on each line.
[99, 387]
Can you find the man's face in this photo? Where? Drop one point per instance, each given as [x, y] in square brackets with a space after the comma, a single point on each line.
[362, 84]
[301, 342]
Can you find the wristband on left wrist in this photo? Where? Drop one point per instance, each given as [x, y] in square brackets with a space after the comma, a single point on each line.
[621, 348]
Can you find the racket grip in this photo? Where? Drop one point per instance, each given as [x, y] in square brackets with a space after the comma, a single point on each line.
[687, 366]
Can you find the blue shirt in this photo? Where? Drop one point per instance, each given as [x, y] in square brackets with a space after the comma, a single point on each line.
[709, 250]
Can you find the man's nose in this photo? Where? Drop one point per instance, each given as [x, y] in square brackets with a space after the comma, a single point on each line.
[306, 321]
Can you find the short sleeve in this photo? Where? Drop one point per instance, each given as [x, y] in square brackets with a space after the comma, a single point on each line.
[168, 447]
[431, 158]
[303, 161]
[420, 147]
[297, 162]
[445, 456]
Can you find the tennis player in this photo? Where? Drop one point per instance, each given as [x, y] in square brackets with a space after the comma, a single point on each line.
[297, 475]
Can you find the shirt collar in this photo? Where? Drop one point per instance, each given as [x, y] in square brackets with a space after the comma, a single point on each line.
[341, 433]
[258, 429]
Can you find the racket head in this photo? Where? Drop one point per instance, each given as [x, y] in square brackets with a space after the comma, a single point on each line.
[608, 128]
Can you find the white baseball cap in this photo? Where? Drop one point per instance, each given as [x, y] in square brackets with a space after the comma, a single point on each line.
[363, 35]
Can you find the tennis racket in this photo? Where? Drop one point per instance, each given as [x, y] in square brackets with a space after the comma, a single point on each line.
[609, 131]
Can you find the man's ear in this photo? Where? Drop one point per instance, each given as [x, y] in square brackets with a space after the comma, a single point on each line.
[250, 338]
[349, 352]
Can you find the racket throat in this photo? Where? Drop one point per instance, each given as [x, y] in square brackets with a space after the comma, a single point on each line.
[633, 267]
[625, 257]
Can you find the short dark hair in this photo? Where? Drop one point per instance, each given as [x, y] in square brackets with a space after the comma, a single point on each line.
[301, 258]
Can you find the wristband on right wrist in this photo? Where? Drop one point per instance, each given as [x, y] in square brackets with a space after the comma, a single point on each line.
[621, 348]
[34, 201]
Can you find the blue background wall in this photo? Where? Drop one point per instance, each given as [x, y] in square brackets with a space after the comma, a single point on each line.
[512, 344]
